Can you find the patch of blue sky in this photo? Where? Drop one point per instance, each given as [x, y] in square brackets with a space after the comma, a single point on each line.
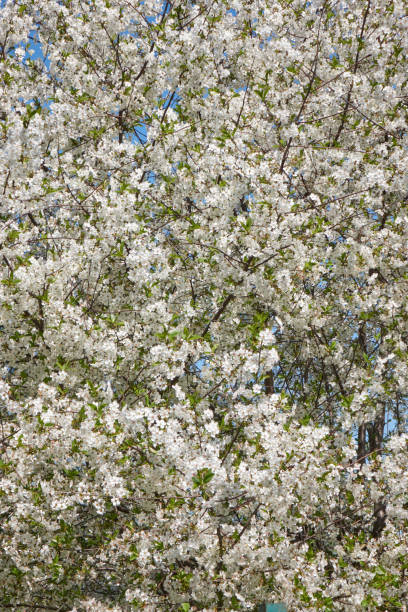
[35, 50]
[151, 177]
[151, 19]
[169, 99]
[272, 607]
[165, 8]
[138, 134]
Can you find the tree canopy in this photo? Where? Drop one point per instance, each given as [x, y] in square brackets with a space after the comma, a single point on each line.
[203, 304]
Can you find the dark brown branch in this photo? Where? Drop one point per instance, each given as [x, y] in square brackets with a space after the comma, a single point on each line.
[348, 99]
[245, 527]
[380, 516]
[231, 444]
[8, 264]
[308, 91]
[33, 221]
[219, 312]
[6, 182]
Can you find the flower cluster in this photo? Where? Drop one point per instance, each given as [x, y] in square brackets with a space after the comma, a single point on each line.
[203, 314]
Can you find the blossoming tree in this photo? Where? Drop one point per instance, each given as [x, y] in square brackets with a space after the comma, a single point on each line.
[203, 315]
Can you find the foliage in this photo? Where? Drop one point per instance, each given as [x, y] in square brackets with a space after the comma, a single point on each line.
[203, 308]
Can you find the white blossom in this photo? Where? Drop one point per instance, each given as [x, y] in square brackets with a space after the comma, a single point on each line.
[203, 325]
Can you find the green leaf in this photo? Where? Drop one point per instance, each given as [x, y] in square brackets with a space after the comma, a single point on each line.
[202, 478]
